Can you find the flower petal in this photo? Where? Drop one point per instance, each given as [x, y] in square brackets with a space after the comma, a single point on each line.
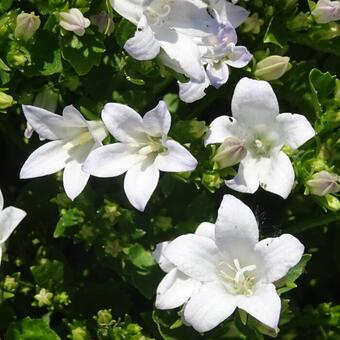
[47, 124]
[74, 179]
[184, 52]
[174, 290]
[195, 256]
[220, 128]
[140, 182]
[157, 121]
[206, 229]
[276, 174]
[10, 217]
[125, 124]
[131, 10]
[143, 45]
[73, 117]
[162, 261]
[236, 229]
[238, 57]
[254, 102]
[296, 128]
[247, 179]
[191, 91]
[209, 307]
[1, 201]
[218, 74]
[264, 305]
[279, 254]
[110, 160]
[176, 159]
[46, 160]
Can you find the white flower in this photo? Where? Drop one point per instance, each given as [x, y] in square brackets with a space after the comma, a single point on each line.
[169, 27]
[10, 217]
[326, 11]
[219, 52]
[256, 121]
[74, 21]
[226, 267]
[143, 150]
[73, 138]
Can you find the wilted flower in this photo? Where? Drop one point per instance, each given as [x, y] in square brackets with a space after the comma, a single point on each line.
[257, 122]
[326, 11]
[72, 139]
[323, 183]
[27, 25]
[272, 67]
[5, 100]
[104, 23]
[74, 21]
[223, 267]
[10, 217]
[144, 150]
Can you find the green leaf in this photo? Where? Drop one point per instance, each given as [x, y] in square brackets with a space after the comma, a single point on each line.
[125, 30]
[83, 53]
[288, 282]
[5, 5]
[69, 218]
[49, 275]
[3, 66]
[30, 329]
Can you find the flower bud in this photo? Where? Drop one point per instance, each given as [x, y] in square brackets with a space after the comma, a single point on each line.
[230, 152]
[27, 25]
[272, 67]
[323, 183]
[74, 21]
[252, 24]
[5, 100]
[326, 11]
[103, 22]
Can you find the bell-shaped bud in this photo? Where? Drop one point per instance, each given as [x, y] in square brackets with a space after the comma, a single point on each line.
[272, 67]
[74, 21]
[230, 152]
[27, 24]
[5, 100]
[326, 11]
[252, 24]
[323, 183]
[104, 23]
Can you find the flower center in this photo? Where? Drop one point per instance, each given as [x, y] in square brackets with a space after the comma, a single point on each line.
[82, 138]
[260, 146]
[153, 145]
[237, 279]
[157, 11]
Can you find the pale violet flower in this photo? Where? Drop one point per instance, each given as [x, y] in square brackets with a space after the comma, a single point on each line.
[326, 11]
[168, 28]
[257, 124]
[219, 52]
[72, 139]
[144, 150]
[225, 268]
[74, 21]
[10, 217]
[323, 183]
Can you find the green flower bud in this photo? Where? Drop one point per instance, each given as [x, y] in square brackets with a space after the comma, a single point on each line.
[5, 100]
[332, 203]
[230, 152]
[252, 24]
[104, 317]
[323, 183]
[272, 67]
[27, 25]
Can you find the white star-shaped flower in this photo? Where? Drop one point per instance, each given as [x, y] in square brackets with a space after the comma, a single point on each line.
[72, 139]
[223, 267]
[143, 150]
[168, 28]
[262, 132]
[10, 217]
